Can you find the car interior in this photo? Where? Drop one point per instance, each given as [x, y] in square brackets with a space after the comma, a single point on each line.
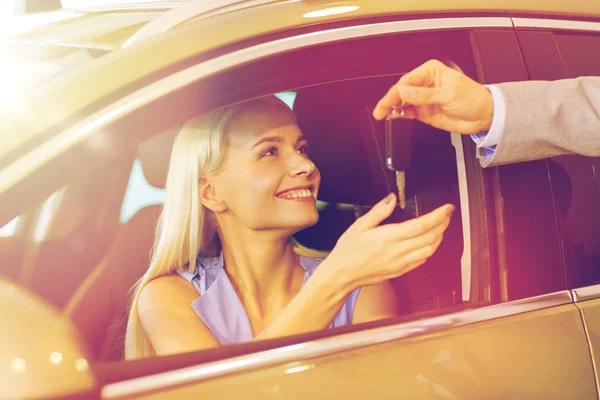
[86, 260]
[78, 252]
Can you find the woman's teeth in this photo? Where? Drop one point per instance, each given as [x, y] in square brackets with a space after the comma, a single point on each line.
[296, 194]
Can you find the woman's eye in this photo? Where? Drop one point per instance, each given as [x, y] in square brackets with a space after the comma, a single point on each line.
[303, 149]
[270, 152]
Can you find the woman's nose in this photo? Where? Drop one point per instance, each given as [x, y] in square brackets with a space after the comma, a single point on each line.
[302, 165]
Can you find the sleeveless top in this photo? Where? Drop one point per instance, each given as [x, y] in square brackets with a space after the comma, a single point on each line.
[220, 308]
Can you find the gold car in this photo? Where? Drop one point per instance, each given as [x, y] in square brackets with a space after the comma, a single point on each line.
[508, 306]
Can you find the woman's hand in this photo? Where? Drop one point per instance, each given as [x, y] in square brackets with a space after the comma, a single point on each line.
[368, 253]
[441, 97]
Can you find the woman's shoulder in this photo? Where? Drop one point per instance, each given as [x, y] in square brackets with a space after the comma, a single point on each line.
[167, 318]
[166, 292]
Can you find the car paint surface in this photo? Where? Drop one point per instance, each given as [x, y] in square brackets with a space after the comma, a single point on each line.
[591, 315]
[542, 354]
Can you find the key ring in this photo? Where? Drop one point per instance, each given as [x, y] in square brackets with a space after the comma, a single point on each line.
[395, 111]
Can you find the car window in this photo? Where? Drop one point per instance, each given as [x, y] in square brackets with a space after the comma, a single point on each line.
[576, 188]
[576, 179]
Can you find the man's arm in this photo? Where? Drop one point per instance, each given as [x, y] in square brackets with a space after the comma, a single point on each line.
[546, 119]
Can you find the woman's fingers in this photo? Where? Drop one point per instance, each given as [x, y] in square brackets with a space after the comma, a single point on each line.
[415, 258]
[376, 215]
[417, 226]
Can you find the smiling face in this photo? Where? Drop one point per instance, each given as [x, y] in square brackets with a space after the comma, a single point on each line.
[267, 180]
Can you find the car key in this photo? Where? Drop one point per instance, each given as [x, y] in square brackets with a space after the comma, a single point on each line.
[396, 144]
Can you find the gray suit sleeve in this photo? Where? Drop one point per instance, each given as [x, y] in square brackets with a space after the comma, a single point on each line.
[549, 118]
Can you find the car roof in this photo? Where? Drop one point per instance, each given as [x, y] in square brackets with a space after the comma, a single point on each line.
[94, 81]
[108, 25]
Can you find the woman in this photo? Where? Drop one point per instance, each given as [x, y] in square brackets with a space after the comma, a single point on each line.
[240, 184]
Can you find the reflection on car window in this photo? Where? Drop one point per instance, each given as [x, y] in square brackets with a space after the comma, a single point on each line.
[576, 189]
[139, 193]
[10, 228]
[288, 98]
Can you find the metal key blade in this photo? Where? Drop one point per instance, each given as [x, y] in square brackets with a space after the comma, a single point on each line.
[401, 183]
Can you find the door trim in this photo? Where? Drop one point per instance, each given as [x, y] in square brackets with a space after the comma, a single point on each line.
[555, 24]
[586, 293]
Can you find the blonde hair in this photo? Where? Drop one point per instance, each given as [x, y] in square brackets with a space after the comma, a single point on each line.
[185, 227]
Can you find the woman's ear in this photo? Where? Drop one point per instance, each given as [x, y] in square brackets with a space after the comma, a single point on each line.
[209, 196]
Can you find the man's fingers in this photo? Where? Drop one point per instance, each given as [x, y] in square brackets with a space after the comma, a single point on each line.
[376, 215]
[420, 96]
[417, 226]
[387, 103]
[424, 75]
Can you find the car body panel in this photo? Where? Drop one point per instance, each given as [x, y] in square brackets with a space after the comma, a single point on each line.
[107, 31]
[591, 316]
[588, 301]
[479, 361]
[40, 350]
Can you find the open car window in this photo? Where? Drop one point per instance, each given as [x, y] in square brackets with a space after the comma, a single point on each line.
[332, 88]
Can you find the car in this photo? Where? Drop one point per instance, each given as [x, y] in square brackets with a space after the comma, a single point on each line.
[508, 307]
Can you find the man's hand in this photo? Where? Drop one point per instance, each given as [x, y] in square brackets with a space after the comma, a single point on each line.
[441, 97]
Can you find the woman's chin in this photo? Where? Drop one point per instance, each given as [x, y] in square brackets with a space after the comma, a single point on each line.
[303, 223]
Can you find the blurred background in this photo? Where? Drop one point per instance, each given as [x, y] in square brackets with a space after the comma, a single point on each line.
[21, 15]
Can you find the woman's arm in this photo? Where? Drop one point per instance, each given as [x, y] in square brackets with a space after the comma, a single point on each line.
[313, 308]
[316, 305]
[375, 302]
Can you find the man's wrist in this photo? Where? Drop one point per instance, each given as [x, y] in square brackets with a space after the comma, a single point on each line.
[488, 111]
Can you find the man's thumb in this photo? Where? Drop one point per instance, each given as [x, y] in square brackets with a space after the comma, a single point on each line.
[377, 214]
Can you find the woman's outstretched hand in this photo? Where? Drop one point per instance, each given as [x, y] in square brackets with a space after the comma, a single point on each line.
[368, 253]
[440, 96]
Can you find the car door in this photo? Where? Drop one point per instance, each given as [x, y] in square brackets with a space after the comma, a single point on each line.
[520, 339]
[559, 51]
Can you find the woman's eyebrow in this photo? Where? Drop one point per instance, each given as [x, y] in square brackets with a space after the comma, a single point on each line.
[268, 139]
[276, 139]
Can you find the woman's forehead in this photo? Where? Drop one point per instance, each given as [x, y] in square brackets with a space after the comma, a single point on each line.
[262, 119]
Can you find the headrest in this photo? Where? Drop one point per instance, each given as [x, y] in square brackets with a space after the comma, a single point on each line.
[347, 143]
[155, 155]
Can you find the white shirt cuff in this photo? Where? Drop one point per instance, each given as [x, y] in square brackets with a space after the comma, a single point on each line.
[498, 120]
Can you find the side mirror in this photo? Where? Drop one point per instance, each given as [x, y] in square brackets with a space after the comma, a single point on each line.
[40, 352]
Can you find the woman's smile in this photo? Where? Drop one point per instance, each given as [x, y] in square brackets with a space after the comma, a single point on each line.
[298, 193]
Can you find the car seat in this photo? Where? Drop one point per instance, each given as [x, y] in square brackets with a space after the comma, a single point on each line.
[99, 307]
[350, 157]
